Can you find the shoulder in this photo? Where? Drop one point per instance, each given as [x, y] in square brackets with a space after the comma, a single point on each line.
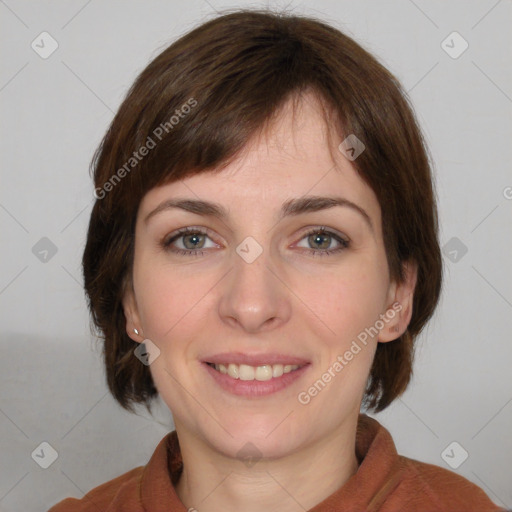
[138, 490]
[122, 489]
[400, 483]
[442, 489]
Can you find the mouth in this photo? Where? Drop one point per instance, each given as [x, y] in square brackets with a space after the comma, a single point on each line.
[250, 381]
[260, 373]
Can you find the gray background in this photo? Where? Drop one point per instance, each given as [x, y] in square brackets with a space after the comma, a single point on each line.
[54, 112]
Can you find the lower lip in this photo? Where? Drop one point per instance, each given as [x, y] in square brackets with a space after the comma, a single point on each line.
[255, 388]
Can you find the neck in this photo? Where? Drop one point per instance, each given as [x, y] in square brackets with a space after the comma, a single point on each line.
[210, 481]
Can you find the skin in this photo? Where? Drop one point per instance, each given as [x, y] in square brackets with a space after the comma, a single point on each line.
[286, 301]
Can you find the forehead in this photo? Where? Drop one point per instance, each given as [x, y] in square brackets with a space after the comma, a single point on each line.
[296, 155]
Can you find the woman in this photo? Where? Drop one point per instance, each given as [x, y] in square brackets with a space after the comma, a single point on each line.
[263, 253]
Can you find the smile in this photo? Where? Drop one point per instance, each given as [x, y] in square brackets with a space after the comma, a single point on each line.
[254, 381]
[261, 373]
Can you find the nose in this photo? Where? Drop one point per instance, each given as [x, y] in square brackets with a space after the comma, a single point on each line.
[254, 297]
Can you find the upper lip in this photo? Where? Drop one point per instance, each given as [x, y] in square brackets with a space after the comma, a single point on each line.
[254, 359]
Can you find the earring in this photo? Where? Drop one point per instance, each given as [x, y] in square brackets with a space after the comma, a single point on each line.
[136, 331]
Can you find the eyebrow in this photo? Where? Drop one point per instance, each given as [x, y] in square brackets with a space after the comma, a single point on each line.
[291, 207]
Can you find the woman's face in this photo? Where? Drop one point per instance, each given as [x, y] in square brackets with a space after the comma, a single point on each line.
[264, 286]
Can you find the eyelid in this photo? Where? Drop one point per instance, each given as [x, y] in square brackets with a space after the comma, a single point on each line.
[326, 230]
[204, 230]
[186, 230]
[343, 241]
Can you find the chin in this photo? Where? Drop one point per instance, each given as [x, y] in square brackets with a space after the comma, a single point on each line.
[262, 436]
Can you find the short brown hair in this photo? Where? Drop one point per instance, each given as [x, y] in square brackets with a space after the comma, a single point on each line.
[239, 68]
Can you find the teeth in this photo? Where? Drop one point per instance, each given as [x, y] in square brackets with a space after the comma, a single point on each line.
[233, 371]
[246, 372]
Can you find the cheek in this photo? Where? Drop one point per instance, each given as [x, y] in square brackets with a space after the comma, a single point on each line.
[166, 297]
[348, 299]
[341, 299]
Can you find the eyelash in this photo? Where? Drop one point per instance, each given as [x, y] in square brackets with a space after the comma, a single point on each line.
[166, 242]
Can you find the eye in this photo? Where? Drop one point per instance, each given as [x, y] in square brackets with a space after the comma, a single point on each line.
[324, 238]
[192, 239]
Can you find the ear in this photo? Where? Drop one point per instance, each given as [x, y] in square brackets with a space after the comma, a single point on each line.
[131, 314]
[400, 300]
